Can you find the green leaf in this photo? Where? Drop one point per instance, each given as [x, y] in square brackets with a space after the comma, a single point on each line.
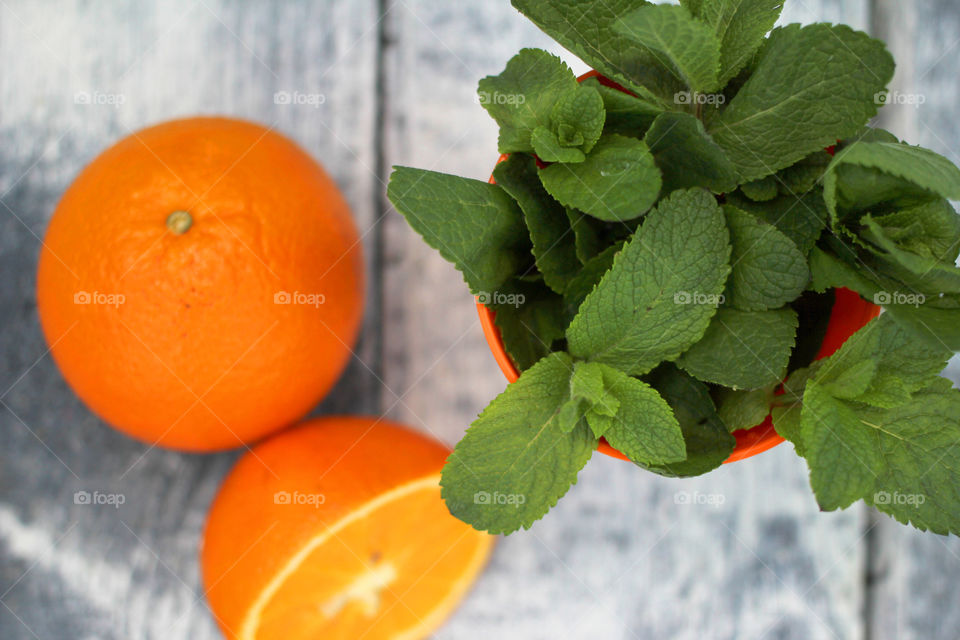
[474, 225]
[587, 232]
[618, 180]
[743, 409]
[840, 451]
[812, 85]
[643, 311]
[910, 171]
[761, 190]
[548, 148]
[586, 28]
[803, 176]
[768, 268]
[881, 364]
[591, 273]
[931, 230]
[530, 318]
[678, 39]
[625, 113]
[936, 327]
[707, 442]
[934, 274]
[523, 97]
[740, 25]
[743, 349]
[687, 156]
[900, 460]
[628, 412]
[800, 218]
[516, 461]
[554, 244]
[582, 112]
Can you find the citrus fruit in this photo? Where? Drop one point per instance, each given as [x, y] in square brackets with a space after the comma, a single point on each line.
[200, 283]
[336, 529]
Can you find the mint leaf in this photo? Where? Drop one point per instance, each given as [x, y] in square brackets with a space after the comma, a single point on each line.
[839, 449]
[586, 28]
[474, 225]
[554, 244]
[676, 37]
[617, 181]
[780, 116]
[743, 349]
[583, 283]
[530, 317]
[935, 327]
[523, 97]
[642, 312]
[743, 409]
[768, 268]
[687, 156]
[740, 25]
[803, 176]
[516, 461]
[930, 230]
[578, 118]
[625, 113]
[899, 460]
[548, 148]
[587, 232]
[643, 428]
[707, 442]
[761, 190]
[912, 169]
[800, 218]
[934, 275]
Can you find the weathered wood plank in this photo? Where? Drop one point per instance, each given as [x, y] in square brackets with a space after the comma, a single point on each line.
[915, 577]
[80, 571]
[622, 556]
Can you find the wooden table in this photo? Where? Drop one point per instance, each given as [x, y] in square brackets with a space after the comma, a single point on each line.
[619, 558]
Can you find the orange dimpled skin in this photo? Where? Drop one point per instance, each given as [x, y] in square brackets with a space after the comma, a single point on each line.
[200, 283]
[336, 529]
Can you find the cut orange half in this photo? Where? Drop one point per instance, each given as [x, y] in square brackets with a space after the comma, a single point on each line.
[336, 529]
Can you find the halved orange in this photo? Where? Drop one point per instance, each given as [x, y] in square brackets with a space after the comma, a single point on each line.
[336, 529]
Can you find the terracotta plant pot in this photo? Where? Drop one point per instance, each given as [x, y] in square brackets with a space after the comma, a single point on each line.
[849, 314]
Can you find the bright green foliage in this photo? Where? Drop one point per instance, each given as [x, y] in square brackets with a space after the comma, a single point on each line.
[648, 308]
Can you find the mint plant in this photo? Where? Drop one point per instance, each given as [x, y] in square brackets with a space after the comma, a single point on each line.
[675, 229]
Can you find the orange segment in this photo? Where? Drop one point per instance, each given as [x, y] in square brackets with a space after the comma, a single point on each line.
[393, 568]
[363, 548]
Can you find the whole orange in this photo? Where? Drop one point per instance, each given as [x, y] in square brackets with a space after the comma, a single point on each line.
[200, 283]
[336, 529]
